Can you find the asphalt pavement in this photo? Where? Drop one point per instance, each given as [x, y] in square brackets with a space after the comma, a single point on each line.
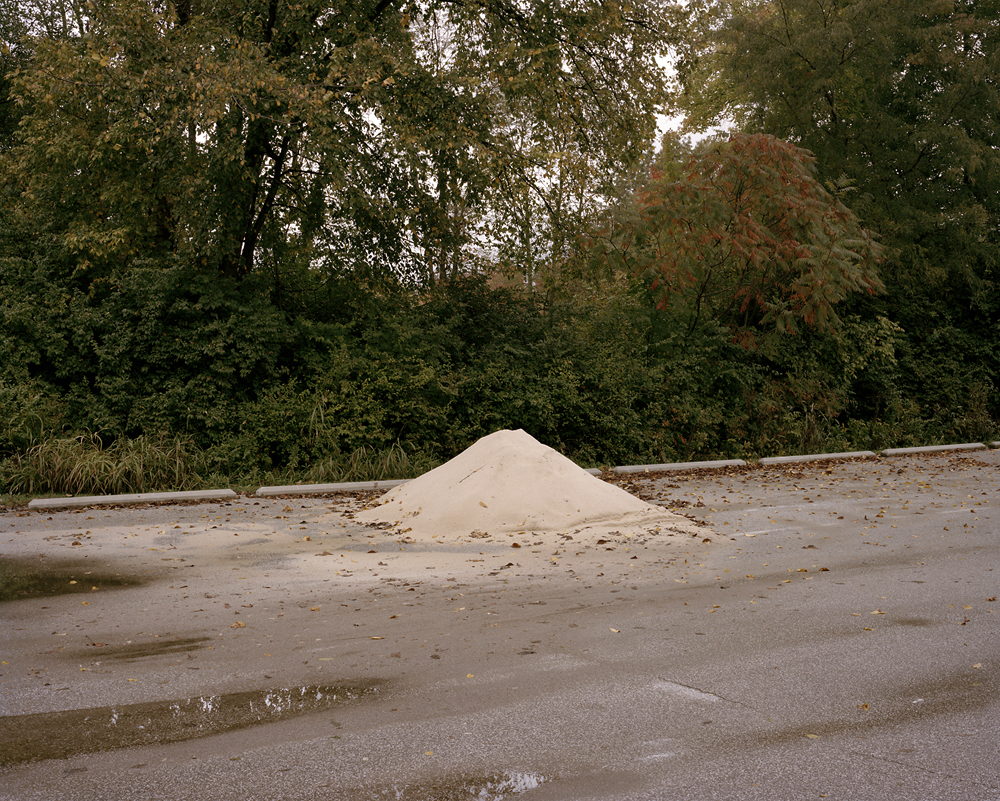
[834, 634]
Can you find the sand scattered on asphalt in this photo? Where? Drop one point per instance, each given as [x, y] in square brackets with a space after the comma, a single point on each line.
[508, 484]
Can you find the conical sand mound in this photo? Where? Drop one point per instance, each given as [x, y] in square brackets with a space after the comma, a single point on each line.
[509, 482]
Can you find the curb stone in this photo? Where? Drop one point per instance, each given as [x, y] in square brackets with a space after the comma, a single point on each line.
[816, 457]
[142, 497]
[656, 468]
[966, 446]
[326, 489]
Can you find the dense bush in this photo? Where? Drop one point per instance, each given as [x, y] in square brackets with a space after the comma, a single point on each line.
[188, 381]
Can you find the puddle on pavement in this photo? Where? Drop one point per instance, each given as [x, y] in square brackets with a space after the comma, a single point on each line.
[134, 651]
[58, 735]
[25, 579]
[488, 787]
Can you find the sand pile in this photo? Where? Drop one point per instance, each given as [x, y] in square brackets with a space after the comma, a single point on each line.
[509, 483]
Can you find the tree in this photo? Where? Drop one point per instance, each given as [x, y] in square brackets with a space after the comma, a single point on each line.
[743, 234]
[899, 100]
[242, 134]
[543, 206]
[12, 55]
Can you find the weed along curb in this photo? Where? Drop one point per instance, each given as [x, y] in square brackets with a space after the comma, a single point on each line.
[144, 497]
[354, 486]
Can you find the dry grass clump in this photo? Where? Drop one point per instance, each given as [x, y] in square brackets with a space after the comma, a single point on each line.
[370, 464]
[83, 465]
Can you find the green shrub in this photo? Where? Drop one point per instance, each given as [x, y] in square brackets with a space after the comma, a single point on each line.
[27, 411]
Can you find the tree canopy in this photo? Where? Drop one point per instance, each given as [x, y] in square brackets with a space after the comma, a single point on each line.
[898, 99]
[224, 228]
[352, 135]
[745, 234]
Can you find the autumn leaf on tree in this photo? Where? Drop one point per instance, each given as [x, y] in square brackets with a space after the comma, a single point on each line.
[743, 233]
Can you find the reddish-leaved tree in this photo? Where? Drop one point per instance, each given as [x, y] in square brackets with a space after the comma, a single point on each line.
[743, 233]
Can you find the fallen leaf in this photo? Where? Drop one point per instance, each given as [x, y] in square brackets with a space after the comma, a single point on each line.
[313, 608]
[376, 638]
[238, 625]
[813, 736]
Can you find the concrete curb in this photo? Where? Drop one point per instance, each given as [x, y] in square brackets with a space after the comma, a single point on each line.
[145, 497]
[350, 486]
[967, 446]
[817, 457]
[324, 489]
[657, 468]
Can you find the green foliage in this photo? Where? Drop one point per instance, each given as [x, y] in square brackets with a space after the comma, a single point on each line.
[602, 375]
[699, 382]
[83, 465]
[12, 57]
[29, 412]
[370, 464]
[899, 100]
[744, 234]
[363, 138]
[899, 103]
[150, 349]
[358, 402]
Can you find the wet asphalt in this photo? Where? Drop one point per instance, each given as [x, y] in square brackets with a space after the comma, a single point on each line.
[835, 634]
